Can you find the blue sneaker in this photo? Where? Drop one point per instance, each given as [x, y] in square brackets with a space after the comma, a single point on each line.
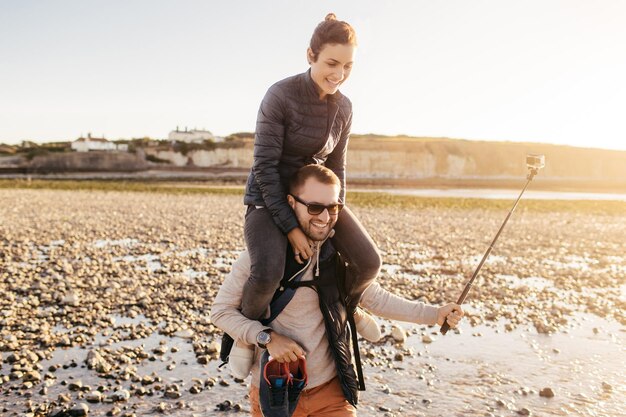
[298, 379]
[273, 387]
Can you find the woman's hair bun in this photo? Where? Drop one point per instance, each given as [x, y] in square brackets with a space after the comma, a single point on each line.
[331, 16]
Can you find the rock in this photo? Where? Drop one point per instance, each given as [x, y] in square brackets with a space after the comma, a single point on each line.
[161, 350]
[121, 395]
[71, 299]
[32, 376]
[114, 411]
[79, 410]
[93, 397]
[62, 398]
[75, 386]
[31, 356]
[195, 389]
[524, 412]
[397, 333]
[213, 347]
[399, 357]
[546, 392]
[172, 395]
[427, 339]
[607, 387]
[184, 334]
[96, 361]
[224, 406]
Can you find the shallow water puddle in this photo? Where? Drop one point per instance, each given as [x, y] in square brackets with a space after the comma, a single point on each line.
[503, 372]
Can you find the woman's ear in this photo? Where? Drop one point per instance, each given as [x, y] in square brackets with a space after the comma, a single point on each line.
[310, 56]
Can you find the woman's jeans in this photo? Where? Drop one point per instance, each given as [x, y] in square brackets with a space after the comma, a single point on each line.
[267, 247]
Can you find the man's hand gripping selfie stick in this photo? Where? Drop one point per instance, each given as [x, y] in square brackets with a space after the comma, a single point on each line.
[534, 164]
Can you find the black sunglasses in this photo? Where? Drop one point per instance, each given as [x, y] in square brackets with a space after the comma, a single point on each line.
[315, 209]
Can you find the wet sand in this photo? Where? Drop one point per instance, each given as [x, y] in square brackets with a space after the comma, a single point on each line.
[106, 299]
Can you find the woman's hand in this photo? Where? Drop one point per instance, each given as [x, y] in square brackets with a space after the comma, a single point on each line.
[301, 245]
[452, 313]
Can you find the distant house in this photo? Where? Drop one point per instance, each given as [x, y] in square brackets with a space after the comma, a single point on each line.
[192, 136]
[93, 144]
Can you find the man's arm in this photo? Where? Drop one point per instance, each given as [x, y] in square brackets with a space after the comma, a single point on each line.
[387, 305]
[225, 312]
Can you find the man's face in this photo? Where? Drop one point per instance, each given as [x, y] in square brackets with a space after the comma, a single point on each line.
[318, 226]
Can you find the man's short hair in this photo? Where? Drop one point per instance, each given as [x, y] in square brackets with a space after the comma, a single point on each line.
[319, 172]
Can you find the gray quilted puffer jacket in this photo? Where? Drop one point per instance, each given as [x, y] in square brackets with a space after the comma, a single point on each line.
[295, 128]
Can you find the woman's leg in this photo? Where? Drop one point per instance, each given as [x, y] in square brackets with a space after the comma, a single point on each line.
[359, 250]
[267, 247]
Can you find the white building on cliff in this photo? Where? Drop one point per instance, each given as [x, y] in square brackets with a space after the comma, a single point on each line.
[192, 136]
[93, 144]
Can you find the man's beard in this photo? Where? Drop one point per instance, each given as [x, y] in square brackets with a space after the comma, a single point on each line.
[315, 234]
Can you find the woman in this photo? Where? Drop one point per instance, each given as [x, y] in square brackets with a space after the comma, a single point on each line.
[303, 119]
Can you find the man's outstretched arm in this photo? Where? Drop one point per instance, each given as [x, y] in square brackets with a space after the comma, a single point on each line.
[387, 305]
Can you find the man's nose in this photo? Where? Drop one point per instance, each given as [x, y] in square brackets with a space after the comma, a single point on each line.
[324, 216]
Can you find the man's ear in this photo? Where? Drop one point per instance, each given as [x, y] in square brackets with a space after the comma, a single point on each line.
[291, 201]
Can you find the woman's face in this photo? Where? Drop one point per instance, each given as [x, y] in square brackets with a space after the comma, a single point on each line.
[332, 67]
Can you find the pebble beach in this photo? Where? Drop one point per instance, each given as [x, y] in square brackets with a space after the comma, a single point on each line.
[106, 298]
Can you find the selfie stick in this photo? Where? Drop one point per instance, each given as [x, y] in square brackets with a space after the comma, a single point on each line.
[534, 163]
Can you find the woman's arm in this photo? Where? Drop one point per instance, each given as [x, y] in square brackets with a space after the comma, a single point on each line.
[268, 149]
[336, 161]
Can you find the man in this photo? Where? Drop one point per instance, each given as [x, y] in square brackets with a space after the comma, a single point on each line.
[313, 324]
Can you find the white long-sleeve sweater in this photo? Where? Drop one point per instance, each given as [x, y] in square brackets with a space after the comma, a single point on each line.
[302, 319]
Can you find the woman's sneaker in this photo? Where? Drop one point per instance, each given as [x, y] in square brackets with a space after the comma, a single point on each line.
[241, 359]
[298, 379]
[366, 326]
[273, 387]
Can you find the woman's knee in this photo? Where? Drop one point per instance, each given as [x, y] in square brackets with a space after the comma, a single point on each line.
[368, 267]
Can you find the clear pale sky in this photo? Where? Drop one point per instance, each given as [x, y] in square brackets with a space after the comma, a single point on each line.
[540, 71]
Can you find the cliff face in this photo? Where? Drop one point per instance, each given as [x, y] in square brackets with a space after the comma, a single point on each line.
[220, 157]
[88, 162]
[422, 158]
[411, 158]
[397, 158]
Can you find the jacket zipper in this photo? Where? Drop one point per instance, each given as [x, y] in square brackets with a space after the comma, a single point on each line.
[282, 288]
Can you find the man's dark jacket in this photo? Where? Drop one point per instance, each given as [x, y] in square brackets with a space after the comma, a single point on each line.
[334, 303]
[295, 128]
